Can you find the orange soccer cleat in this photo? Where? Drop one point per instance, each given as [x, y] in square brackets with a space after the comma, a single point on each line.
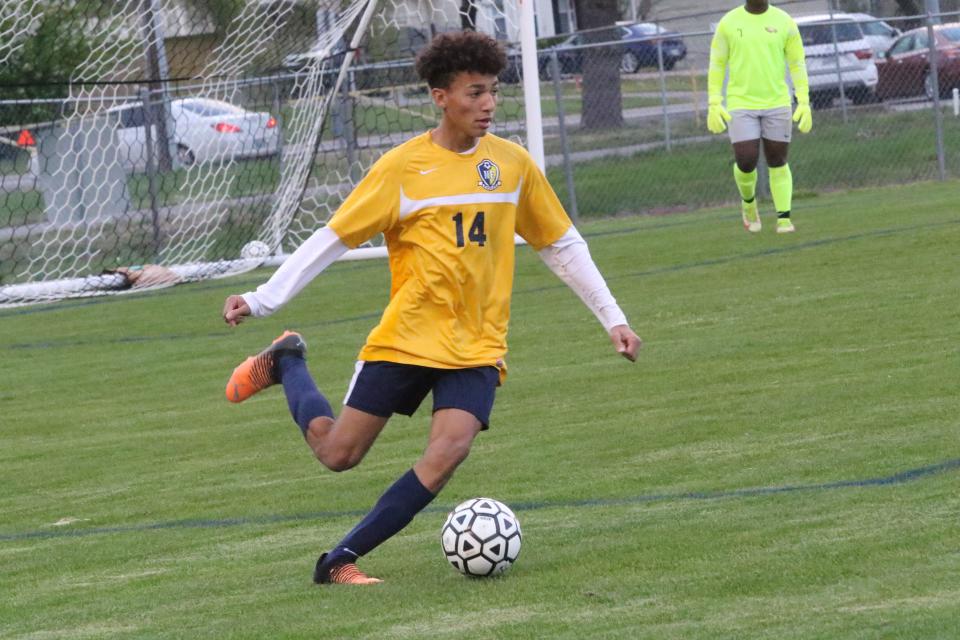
[258, 372]
[346, 573]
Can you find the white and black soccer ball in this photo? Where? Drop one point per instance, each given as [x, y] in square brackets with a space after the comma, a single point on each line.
[481, 537]
[255, 250]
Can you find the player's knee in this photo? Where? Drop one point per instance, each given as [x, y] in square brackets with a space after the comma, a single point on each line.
[339, 460]
[450, 453]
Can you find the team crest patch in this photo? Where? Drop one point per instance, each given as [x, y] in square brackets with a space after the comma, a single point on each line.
[489, 175]
[771, 29]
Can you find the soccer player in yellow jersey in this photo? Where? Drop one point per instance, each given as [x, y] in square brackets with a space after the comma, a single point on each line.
[448, 203]
[757, 42]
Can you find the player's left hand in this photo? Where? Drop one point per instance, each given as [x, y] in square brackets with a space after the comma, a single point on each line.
[625, 341]
[803, 117]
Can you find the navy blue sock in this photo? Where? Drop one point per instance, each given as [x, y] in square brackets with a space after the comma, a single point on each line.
[404, 499]
[304, 399]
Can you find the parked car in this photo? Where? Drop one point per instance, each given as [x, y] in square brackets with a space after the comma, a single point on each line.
[834, 51]
[204, 130]
[638, 47]
[905, 68]
[878, 33]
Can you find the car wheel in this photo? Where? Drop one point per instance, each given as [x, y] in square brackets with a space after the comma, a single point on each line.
[629, 62]
[185, 155]
[861, 95]
[669, 64]
[821, 100]
[928, 87]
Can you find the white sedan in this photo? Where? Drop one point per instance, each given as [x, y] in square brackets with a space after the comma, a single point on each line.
[203, 130]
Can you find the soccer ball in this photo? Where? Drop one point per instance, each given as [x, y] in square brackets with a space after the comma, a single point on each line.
[481, 537]
[255, 250]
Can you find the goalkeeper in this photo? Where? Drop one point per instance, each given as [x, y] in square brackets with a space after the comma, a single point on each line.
[756, 42]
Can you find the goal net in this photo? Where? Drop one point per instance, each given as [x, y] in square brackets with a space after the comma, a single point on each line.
[151, 142]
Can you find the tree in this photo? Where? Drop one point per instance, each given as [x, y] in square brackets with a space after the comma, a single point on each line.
[908, 7]
[640, 10]
[602, 100]
[54, 38]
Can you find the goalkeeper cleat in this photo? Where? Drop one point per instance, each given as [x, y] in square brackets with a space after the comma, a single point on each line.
[785, 226]
[258, 372]
[345, 573]
[751, 216]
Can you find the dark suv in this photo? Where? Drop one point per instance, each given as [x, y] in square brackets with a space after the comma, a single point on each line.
[637, 48]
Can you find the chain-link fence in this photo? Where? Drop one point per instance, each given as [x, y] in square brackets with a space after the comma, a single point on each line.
[623, 110]
[645, 147]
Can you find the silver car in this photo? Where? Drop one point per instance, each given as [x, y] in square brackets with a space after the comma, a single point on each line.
[204, 130]
[878, 33]
[837, 53]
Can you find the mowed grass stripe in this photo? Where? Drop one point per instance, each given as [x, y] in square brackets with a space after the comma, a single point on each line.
[909, 475]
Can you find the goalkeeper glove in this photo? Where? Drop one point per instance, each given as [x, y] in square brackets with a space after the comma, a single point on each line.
[803, 117]
[717, 117]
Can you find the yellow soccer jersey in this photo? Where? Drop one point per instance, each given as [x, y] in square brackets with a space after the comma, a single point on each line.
[449, 221]
[758, 49]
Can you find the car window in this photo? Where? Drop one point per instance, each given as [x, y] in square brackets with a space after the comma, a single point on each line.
[876, 29]
[208, 109]
[813, 34]
[921, 41]
[902, 45]
[132, 117]
[952, 34]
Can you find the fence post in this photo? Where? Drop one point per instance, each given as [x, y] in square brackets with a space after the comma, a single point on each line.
[934, 78]
[663, 96]
[561, 122]
[836, 55]
[281, 127]
[349, 126]
[149, 119]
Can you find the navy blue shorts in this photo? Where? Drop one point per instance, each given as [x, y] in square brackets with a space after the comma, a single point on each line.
[385, 388]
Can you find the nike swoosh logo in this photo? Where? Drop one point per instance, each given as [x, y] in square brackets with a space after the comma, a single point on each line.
[423, 173]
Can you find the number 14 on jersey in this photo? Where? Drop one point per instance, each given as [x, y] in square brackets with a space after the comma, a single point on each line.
[475, 234]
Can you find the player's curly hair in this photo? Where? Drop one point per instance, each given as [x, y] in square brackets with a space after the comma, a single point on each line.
[463, 51]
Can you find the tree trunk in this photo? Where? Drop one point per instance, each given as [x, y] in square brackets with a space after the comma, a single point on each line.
[602, 106]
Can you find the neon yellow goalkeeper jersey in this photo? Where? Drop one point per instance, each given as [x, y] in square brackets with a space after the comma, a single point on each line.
[758, 50]
[449, 221]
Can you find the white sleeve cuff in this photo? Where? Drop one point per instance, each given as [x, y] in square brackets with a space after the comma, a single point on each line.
[316, 254]
[570, 259]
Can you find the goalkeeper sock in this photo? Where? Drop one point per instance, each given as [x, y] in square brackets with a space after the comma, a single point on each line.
[781, 188]
[396, 508]
[746, 183]
[304, 399]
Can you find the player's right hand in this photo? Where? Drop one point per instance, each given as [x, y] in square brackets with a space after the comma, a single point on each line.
[717, 118]
[234, 310]
[803, 117]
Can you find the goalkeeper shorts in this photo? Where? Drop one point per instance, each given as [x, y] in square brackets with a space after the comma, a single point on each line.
[753, 124]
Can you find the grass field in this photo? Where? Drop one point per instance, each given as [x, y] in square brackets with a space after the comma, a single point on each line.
[782, 462]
